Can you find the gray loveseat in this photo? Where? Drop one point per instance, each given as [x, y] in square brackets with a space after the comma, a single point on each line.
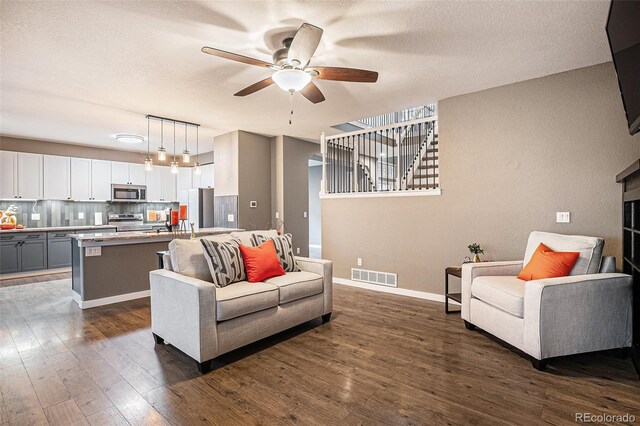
[203, 321]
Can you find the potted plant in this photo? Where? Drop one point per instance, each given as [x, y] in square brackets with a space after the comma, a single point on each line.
[476, 250]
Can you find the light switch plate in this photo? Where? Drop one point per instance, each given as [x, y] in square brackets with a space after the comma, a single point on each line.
[297, 250]
[304, 214]
[229, 218]
[93, 251]
[35, 216]
[277, 215]
[80, 215]
[563, 217]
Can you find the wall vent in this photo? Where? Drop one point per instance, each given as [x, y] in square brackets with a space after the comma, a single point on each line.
[374, 277]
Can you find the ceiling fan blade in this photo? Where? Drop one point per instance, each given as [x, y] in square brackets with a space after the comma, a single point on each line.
[345, 74]
[304, 45]
[312, 93]
[255, 87]
[235, 57]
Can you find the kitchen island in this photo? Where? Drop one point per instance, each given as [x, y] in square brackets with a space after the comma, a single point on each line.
[112, 267]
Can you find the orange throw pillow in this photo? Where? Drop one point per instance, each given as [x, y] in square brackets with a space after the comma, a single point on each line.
[261, 262]
[546, 263]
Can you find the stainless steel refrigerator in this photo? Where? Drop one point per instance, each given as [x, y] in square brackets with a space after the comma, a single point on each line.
[199, 204]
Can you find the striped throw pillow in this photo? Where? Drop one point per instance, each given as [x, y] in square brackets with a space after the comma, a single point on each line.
[284, 248]
[225, 261]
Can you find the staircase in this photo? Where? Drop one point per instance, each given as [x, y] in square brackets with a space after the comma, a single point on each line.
[390, 158]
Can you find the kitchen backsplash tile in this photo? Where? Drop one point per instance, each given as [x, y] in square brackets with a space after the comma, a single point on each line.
[66, 213]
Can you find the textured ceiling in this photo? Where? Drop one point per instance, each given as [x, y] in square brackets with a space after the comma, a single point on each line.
[80, 72]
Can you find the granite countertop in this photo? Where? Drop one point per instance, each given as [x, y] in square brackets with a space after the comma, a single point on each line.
[58, 228]
[142, 236]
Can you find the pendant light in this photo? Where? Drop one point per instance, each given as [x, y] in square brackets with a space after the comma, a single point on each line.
[162, 153]
[186, 157]
[148, 164]
[174, 163]
[196, 169]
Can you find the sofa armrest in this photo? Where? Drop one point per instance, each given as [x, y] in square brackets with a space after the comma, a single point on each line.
[472, 270]
[183, 312]
[575, 314]
[323, 268]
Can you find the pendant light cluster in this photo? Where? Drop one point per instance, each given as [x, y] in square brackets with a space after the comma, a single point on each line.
[162, 152]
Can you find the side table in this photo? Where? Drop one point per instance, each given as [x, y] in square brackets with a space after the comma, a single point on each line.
[456, 271]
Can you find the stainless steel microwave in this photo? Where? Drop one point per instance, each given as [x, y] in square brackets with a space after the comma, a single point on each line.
[129, 193]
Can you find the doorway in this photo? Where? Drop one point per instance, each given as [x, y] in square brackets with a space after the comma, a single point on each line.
[315, 216]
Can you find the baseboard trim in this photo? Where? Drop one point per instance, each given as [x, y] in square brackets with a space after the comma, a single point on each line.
[16, 275]
[394, 290]
[109, 300]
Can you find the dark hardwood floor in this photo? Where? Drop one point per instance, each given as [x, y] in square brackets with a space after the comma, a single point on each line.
[383, 359]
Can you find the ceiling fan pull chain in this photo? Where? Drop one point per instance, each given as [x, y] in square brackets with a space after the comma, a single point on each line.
[290, 106]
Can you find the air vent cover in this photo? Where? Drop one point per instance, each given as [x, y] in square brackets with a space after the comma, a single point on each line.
[374, 277]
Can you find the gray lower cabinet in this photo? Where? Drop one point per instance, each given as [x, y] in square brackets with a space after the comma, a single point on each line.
[23, 252]
[58, 250]
[9, 258]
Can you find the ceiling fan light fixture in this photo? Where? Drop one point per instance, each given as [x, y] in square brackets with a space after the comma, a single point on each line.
[291, 80]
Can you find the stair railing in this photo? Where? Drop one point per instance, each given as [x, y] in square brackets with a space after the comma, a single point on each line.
[376, 159]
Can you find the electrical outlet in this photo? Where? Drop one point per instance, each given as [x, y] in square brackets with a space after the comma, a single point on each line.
[93, 251]
[277, 215]
[80, 215]
[304, 214]
[35, 216]
[563, 217]
[297, 250]
[229, 218]
[359, 261]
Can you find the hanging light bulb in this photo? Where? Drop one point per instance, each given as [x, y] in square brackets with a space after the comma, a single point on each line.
[148, 164]
[196, 169]
[162, 153]
[174, 167]
[186, 157]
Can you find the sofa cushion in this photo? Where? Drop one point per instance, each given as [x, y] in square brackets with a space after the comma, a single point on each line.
[245, 236]
[503, 292]
[284, 248]
[297, 285]
[590, 249]
[261, 263]
[187, 257]
[225, 261]
[244, 298]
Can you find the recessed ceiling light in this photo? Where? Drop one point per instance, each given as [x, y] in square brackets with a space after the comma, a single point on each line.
[129, 138]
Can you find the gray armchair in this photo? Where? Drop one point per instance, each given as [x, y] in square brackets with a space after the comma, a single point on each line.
[589, 310]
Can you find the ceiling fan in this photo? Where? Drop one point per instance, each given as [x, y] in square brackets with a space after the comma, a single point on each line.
[291, 65]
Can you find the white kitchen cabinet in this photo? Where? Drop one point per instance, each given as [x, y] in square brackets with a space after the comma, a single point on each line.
[119, 173]
[205, 178]
[80, 179]
[127, 173]
[101, 180]
[29, 176]
[90, 179]
[154, 184]
[137, 174]
[57, 177]
[8, 174]
[184, 178]
[168, 185]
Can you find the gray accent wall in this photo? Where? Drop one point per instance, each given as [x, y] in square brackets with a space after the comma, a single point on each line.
[254, 181]
[510, 158]
[223, 206]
